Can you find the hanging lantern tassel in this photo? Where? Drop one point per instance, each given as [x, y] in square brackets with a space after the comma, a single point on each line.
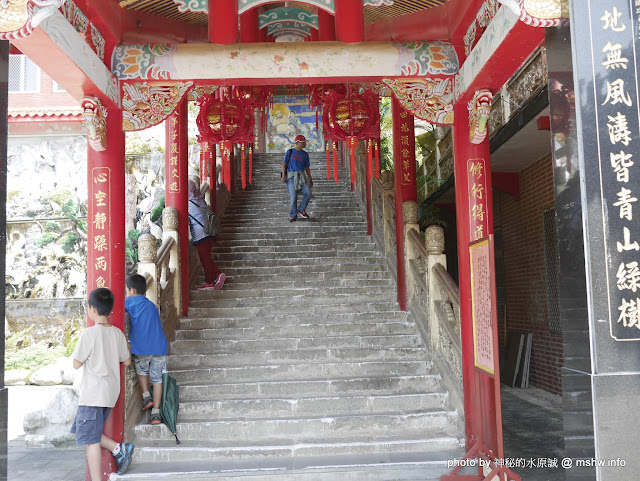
[212, 165]
[351, 143]
[202, 154]
[316, 120]
[335, 162]
[243, 169]
[377, 158]
[326, 148]
[369, 160]
[250, 164]
[227, 168]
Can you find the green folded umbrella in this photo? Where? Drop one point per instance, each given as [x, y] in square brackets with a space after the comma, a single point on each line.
[169, 405]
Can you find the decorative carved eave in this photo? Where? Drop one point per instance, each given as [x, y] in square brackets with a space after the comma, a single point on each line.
[479, 111]
[19, 18]
[287, 14]
[95, 116]
[540, 13]
[428, 99]
[145, 105]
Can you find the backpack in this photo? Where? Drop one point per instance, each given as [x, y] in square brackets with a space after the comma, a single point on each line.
[287, 158]
[210, 225]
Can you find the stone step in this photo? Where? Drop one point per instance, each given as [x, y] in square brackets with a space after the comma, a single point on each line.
[372, 291]
[285, 319]
[260, 241]
[238, 285]
[289, 249]
[290, 408]
[313, 259]
[294, 299]
[179, 361]
[270, 456]
[419, 466]
[299, 308]
[299, 372]
[249, 432]
[331, 235]
[296, 331]
[354, 386]
[210, 346]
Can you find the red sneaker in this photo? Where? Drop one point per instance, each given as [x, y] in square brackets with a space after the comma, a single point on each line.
[220, 282]
[205, 287]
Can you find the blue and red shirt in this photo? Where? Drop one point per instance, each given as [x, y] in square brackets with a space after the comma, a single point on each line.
[298, 160]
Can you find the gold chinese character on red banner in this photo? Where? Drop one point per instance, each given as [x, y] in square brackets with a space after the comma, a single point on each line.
[100, 178]
[99, 220]
[174, 148]
[101, 263]
[173, 187]
[100, 196]
[100, 282]
[476, 190]
[476, 169]
[100, 242]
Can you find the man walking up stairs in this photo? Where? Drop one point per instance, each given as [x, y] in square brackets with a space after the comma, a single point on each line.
[303, 368]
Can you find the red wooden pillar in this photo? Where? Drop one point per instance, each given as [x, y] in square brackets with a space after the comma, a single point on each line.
[106, 246]
[404, 167]
[262, 35]
[249, 26]
[314, 34]
[213, 178]
[223, 21]
[176, 179]
[369, 176]
[472, 224]
[326, 26]
[349, 21]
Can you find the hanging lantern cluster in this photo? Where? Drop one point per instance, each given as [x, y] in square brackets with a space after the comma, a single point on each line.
[350, 115]
[227, 118]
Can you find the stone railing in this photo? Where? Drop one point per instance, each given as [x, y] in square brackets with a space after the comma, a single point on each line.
[161, 268]
[384, 218]
[434, 301]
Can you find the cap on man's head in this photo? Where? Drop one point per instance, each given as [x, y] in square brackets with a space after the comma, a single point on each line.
[300, 138]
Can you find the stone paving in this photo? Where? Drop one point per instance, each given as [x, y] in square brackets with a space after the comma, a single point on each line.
[532, 429]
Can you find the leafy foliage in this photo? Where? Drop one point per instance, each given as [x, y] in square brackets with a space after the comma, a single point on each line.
[46, 239]
[156, 213]
[69, 242]
[52, 227]
[32, 357]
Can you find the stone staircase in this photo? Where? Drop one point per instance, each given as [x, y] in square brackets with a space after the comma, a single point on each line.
[303, 367]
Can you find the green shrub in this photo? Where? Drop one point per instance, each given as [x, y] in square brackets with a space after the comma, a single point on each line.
[59, 196]
[16, 340]
[46, 238]
[156, 213]
[69, 241]
[32, 357]
[70, 209]
[82, 225]
[133, 235]
[72, 344]
[52, 226]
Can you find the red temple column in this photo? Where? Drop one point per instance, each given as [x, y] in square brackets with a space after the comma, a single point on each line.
[249, 26]
[314, 34]
[404, 167]
[474, 220]
[106, 248]
[223, 21]
[349, 21]
[262, 35]
[326, 26]
[176, 183]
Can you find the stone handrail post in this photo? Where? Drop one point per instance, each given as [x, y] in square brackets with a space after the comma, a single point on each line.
[434, 242]
[170, 226]
[410, 220]
[147, 254]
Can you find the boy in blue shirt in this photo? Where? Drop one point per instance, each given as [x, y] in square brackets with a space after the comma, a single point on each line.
[296, 164]
[148, 343]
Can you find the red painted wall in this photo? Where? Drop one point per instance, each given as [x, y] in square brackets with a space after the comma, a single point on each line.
[525, 271]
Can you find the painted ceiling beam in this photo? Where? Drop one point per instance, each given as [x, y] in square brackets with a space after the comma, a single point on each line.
[505, 45]
[281, 28]
[288, 14]
[57, 48]
[274, 63]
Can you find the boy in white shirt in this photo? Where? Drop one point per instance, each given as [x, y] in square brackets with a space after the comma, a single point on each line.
[100, 349]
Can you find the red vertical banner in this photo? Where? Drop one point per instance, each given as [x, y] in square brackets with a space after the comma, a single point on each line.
[377, 147]
[404, 166]
[352, 142]
[335, 162]
[368, 178]
[106, 247]
[176, 178]
[326, 148]
[250, 164]
[478, 195]
[243, 168]
[213, 176]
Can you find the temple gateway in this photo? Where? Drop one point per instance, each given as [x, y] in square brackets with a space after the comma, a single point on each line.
[471, 226]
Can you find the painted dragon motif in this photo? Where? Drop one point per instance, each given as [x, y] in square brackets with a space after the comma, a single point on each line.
[95, 116]
[479, 111]
[18, 18]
